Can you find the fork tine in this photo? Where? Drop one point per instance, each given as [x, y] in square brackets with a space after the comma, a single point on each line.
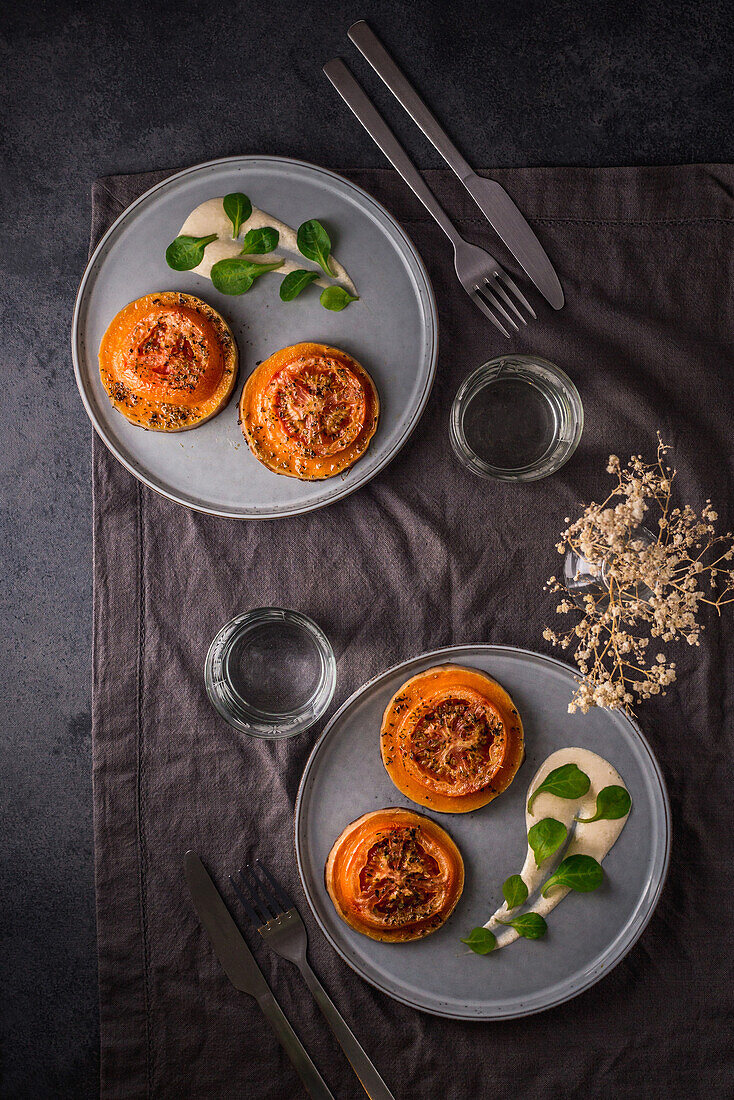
[487, 292]
[280, 893]
[265, 897]
[255, 916]
[499, 289]
[479, 301]
[502, 274]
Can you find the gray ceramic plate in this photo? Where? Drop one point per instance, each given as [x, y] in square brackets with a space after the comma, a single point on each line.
[392, 330]
[588, 933]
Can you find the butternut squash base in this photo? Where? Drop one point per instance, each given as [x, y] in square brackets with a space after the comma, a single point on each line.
[399, 719]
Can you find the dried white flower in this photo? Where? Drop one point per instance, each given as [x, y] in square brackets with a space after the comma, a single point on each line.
[652, 589]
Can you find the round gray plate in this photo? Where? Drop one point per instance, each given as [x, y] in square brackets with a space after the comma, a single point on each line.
[588, 934]
[392, 331]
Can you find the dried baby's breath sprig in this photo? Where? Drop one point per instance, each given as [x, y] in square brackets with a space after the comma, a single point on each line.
[648, 588]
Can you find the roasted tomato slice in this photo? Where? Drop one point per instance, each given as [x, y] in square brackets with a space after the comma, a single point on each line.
[173, 356]
[168, 362]
[321, 404]
[452, 739]
[394, 875]
[400, 880]
[455, 742]
[309, 411]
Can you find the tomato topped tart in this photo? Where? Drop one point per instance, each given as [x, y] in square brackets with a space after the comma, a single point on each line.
[168, 362]
[451, 739]
[394, 875]
[309, 411]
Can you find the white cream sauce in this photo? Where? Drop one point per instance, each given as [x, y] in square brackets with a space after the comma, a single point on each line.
[595, 838]
[210, 218]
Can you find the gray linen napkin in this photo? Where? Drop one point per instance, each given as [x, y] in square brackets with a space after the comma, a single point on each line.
[426, 555]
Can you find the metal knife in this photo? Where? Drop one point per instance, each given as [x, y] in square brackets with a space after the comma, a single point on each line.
[491, 198]
[240, 967]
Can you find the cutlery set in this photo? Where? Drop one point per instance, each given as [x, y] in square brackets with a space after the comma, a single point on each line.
[240, 967]
[486, 282]
[279, 923]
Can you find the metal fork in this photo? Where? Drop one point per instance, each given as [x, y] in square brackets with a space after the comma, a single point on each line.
[279, 923]
[482, 277]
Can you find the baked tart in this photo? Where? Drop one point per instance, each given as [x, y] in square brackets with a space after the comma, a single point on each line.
[451, 739]
[168, 362]
[309, 411]
[394, 875]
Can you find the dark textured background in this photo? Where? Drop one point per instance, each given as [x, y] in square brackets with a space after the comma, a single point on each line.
[89, 89]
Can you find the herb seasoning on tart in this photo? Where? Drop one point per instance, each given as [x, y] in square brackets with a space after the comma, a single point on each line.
[309, 411]
[168, 362]
[452, 739]
[394, 875]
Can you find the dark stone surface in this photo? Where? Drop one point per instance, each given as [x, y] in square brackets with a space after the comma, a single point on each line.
[94, 88]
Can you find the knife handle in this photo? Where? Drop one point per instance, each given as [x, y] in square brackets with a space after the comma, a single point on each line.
[360, 1061]
[363, 109]
[294, 1048]
[369, 45]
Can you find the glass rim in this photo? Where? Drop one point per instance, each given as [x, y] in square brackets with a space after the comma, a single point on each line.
[245, 717]
[552, 460]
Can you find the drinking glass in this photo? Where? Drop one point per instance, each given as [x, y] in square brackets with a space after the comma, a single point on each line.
[516, 418]
[270, 672]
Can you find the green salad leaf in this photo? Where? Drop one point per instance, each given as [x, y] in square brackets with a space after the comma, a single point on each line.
[238, 208]
[612, 803]
[187, 252]
[568, 781]
[237, 274]
[259, 241]
[295, 282]
[579, 872]
[530, 925]
[515, 891]
[336, 298]
[481, 941]
[546, 837]
[315, 244]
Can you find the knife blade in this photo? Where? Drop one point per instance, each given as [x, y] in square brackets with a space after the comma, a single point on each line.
[513, 229]
[240, 967]
[498, 208]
